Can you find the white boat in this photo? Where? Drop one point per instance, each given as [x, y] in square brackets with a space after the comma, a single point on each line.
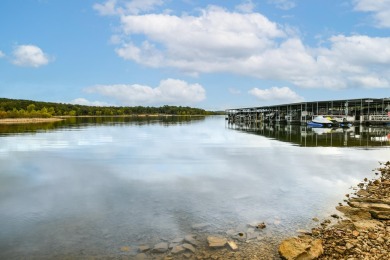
[320, 121]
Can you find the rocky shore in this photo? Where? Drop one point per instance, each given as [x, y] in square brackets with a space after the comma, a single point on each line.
[360, 231]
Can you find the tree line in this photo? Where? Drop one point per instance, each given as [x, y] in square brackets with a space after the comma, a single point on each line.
[17, 108]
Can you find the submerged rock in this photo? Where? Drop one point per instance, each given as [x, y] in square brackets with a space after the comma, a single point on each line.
[160, 247]
[125, 248]
[191, 240]
[216, 241]
[178, 240]
[189, 247]
[233, 246]
[200, 226]
[143, 248]
[141, 256]
[177, 249]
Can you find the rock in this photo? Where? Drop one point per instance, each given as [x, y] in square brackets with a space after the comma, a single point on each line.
[189, 247]
[172, 245]
[178, 240]
[354, 214]
[160, 247]
[261, 225]
[233, 246]
[143, 248]
[231, 233]
[362, 193]
[349, 245]
[125, 248]
[370, 206]
[315, 219]
[251, 235]
[372, 235]
[190, 239]
[216, 241]
[340, 249]
[141, 256]
[241, 236]
[200, 226]
[304, 232]
[250, 230]
[363, 225]
[177, 250]
[344, 224]
[382, 200]
[385, 215]
[302, 249]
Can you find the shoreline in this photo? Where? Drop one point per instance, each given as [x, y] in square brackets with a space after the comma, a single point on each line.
[360, 231]
[11, 121]
[32, 120]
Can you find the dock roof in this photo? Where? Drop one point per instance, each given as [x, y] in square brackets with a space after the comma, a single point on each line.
[339, 102]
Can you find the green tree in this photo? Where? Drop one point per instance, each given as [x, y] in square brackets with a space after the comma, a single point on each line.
[30, 108]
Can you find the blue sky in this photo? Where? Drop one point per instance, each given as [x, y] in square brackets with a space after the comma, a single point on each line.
[209, 54]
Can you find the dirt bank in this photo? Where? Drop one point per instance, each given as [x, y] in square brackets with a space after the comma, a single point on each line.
[11, 121]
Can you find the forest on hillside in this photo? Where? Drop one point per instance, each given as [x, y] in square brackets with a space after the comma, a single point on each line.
[15, 108]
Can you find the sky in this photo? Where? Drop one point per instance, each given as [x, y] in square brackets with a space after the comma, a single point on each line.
[215, 54]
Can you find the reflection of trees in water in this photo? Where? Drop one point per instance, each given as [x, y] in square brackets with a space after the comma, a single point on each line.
[78, 122]
[27, 128]
[328, 137]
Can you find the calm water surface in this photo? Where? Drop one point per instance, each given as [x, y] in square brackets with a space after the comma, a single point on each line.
[85, 188]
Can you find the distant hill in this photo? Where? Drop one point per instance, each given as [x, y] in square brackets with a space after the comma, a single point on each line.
[18, 108]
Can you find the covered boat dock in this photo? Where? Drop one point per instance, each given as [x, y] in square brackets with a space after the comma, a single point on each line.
[356, 111]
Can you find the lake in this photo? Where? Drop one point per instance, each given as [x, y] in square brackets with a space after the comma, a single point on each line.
[99, 186]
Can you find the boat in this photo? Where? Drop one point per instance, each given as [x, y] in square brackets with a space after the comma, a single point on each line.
[321, 121]
[343, 121]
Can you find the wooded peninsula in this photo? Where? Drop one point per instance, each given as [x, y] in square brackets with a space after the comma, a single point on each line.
[18, 108]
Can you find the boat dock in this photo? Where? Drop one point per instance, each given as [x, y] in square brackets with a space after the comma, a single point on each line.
[369, 111]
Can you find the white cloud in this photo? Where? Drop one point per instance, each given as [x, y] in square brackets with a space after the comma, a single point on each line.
[2, 54]
[380, 10]
[283, 4]
[121, 7]
[210, 42]
[354, 61]
[85, 102]
[29, 56]
[246, 6]
[169, 91]
[107, 8]
[249, 44]
[280, 94]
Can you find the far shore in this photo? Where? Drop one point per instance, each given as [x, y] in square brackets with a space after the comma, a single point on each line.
[10, 121]
[61, 118]
[133, 115]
